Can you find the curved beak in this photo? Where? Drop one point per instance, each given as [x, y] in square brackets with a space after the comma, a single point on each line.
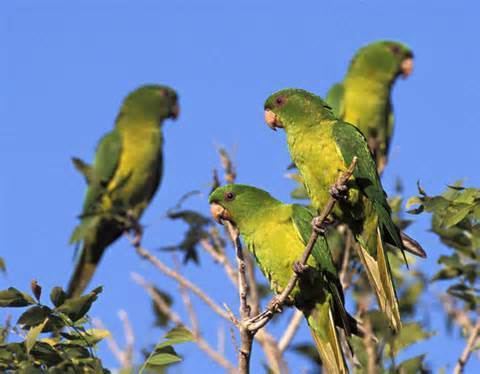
[406, 67]
[175, 111]
[219, 213]
[272, 120]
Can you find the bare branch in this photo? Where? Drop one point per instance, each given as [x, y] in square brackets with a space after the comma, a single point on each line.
[463, 359]
[344, 275]
[175, 318]
[290, 331]
[144, 253]
[246, 336]
[221, 259]
[129, 339]
[113, 345]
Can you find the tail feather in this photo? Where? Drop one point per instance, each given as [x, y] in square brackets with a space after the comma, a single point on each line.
[380, 277]
[412, 246]
[327, 340]
[84, 270]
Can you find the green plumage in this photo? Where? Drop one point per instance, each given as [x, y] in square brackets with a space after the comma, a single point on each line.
[364, 96]
[322, 147]
[277, 234]
[124, 177]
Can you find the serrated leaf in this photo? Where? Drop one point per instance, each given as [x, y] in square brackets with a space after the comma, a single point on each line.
[12, 297]
[33, 334]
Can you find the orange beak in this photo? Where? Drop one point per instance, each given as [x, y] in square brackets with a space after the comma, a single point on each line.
[272, 120]
[407, 67]
[219, 213]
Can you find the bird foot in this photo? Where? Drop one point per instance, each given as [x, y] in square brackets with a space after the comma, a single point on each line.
[320, 226]
[299, 268]
[275, 305]
[339, 192]
[136, 229]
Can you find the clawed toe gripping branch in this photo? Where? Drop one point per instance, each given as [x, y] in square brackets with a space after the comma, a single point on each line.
[248, 325]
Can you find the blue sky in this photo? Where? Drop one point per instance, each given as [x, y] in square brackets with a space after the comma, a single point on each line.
[65, 68]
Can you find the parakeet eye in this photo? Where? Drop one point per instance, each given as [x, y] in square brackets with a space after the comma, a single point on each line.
[395, 49]
[279, 101]
[229, 196]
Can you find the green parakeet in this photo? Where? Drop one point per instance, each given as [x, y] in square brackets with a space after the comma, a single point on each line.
[124, 177]
[322, 146]
[276, 234]
[364, 96]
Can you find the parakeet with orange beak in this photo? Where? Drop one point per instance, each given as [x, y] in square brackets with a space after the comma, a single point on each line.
[322, 147]
[364, 96]
[124, 177]
[276, 234]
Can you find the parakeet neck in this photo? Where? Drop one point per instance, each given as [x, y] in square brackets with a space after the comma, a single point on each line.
[370, 79]
[255, 214]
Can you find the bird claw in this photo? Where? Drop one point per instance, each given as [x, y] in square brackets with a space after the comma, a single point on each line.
[274, 305]
[319, 226]
[339, 192]
[299, 268]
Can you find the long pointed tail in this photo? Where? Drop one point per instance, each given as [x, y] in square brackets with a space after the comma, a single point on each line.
[84, 269]
[324, 333]
[380, 277]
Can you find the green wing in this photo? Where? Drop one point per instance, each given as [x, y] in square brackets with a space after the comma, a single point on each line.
[103, 169]
[390, 123]
[302, 219]
[351, 142]
[335, 99]
[98, 176]
[84, 168]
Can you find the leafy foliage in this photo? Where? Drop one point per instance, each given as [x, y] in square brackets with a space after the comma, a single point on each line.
[70, 350]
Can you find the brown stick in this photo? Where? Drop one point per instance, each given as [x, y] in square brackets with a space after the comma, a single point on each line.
[277, 302]
[463, 359]
[246, 337]
[290, 331]
[175, 318]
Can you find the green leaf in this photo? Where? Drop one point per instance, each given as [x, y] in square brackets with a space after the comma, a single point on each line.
[412, 365]
[410, 333]
[58, 296]
[89, 337]
[77, 307]
[177, 335]
[12, 297]
[458, 214]
[33, 316]
[163, 356]
[32, 335]
[448, 273]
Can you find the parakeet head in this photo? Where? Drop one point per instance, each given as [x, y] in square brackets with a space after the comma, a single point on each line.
[238, 203]
[294, 108]
[383, 60]
[152, 101]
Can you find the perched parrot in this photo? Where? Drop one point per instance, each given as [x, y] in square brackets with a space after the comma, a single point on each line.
[124, 177]
[322, 147]
[276, 234]
[363, 98]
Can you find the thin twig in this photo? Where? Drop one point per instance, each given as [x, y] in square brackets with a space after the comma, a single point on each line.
[463, 359]
[129, 339]
[277, 302]
[291, 330]
[112, 344]
[344, 274]
[246, 337]
[221, 259]
[175, 318]
[144, 253]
